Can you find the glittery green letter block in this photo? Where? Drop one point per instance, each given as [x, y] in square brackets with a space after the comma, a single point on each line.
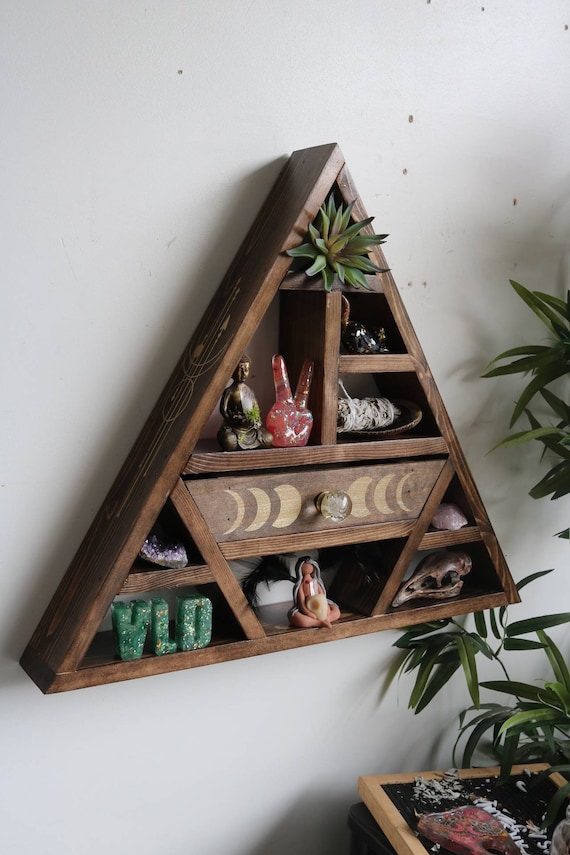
[159, 630]
[130, 625]
[193, 622]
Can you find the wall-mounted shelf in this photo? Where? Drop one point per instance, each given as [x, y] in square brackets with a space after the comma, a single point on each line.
[174, 470]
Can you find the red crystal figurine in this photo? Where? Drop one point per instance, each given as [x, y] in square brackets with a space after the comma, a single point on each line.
[289, 420]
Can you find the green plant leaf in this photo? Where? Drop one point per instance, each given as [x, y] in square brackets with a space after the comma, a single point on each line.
[440, 678]
[339, 270]
[559, 798]
[416, 632]
[543, 359]
[556, 404]
[532, 578]
[520, 721]
[479, 726]
[356, 278]
[556, 659]
[508, 756]
[434, 647]
[522, 627]
[522, 644]
[561, 306]
[556, 481]
[480, 624]
[494, 626]
[513, 687]
[319, 264]
[541, 309]
[480, 645]
[541, 379]
[469, 665]
[347, 215]
[521, 350]
[556, 694]
[325, 222]
[526, 435]
[304, 250]
[328, 278]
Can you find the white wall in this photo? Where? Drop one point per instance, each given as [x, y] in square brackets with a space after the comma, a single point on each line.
[139, 140]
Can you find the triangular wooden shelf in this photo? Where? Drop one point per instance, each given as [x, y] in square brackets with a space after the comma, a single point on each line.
[168, 464]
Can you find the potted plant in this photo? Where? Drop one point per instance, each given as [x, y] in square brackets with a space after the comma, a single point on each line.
[532, 723]
[337, 248]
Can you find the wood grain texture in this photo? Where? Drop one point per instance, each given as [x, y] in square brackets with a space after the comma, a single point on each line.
[242, 507]
[223, 576]
[207, 459]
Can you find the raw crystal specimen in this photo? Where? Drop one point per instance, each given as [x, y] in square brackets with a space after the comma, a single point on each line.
[159, 549]
[467, 831]
[448, 517]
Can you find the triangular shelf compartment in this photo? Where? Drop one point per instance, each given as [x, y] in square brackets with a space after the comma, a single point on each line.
[168, 464]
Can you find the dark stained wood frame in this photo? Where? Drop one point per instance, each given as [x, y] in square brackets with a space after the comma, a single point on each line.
[62, 653]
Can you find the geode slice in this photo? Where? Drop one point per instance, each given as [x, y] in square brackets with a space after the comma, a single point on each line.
[159, 549]
[467, 831]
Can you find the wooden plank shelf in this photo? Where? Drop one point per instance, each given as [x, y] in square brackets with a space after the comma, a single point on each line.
[209, 460]
[140, 580]
[379, 363]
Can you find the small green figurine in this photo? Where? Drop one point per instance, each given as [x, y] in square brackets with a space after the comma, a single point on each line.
[243, 427]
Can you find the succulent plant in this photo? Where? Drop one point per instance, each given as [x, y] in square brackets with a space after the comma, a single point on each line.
[337, 248]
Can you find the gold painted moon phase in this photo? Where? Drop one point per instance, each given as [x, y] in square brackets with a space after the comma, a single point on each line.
[380, 495]
[290, 506]
[357, 493]
[240, 510]
[400, 490]
[263, 503]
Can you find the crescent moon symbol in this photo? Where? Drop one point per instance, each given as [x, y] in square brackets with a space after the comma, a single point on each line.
[357, 493]
[240, 511]
[380, 495]
[263, 508]
[399, 491]
[291, 504]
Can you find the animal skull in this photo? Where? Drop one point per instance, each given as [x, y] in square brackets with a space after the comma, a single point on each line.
[439, 576]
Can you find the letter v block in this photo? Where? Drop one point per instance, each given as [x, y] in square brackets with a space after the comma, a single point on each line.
[130, 627]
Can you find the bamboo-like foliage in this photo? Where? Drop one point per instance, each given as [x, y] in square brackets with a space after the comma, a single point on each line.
[533, 725]
[546, 364]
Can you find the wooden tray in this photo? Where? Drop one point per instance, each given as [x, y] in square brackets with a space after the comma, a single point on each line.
[385, 800]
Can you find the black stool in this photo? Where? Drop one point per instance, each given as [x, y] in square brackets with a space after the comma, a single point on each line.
[366, 836]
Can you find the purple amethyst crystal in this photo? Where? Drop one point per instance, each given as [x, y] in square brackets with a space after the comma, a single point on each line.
[162, 550]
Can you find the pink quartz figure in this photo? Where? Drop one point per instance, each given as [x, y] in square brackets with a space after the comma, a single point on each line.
[289, 420]
[311, 607]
